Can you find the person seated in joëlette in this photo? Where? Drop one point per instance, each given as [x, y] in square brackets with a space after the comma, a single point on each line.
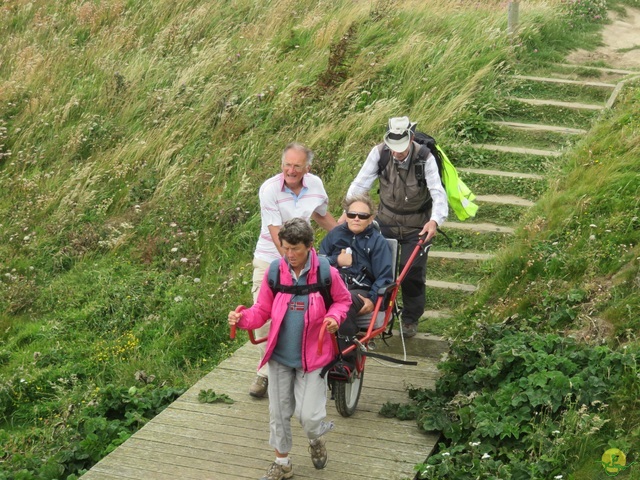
[362, 256]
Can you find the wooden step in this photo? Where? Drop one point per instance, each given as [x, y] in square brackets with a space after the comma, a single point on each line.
[565, 81]
[451, 285]
[556, 103]
[505, 200]
[436, 314]
[479, 227]
[517, 150]
[422, 345]
[460, 255]
[599, 69]
[499, 173]
[540, 128]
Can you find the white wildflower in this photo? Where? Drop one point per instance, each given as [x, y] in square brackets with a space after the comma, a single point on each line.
[174, 249]
[196, 280]
[486, 456]
[177, 298]
[184, 259]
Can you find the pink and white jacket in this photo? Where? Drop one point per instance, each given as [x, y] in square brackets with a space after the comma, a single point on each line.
[272, 307]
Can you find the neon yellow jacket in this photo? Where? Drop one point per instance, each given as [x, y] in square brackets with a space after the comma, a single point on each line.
[459, 196]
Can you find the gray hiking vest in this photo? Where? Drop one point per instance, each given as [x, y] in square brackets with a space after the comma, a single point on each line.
[404, 204]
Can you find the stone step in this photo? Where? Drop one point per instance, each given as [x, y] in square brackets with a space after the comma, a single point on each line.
[518, 150]
[505, 200]
[464, 287]
[499, 173]
[565, 81]
[556, 103]
[422, 345]
[479, 227]
[540, 128]
[460, 255]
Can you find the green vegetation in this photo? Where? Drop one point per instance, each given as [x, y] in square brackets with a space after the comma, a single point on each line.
[508, 215]
[465, 156]
[527, 188]
[134, 137]
[514, 110]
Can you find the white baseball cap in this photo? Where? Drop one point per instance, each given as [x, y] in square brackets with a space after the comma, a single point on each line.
[399, 133]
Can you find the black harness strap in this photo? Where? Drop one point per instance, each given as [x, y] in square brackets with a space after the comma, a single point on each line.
[389, 359]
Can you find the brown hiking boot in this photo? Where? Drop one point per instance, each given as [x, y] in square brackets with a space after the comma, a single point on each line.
[318, 453]
[259, 387]
[277, 471]
[409, 330]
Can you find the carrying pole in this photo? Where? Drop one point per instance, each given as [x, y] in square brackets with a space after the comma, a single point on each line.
[514, 13]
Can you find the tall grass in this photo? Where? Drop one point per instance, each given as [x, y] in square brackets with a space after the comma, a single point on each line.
[133, 139]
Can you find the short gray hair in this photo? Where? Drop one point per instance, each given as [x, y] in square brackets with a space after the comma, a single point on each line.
[358, 197]
[301, 148]
[296, 231]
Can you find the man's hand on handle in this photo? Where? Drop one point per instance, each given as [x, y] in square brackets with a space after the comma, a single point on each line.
[430, 229]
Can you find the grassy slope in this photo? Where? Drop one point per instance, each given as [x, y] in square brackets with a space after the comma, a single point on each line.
[134, 136]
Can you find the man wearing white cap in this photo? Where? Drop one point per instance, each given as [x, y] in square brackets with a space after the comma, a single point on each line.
[413, 203]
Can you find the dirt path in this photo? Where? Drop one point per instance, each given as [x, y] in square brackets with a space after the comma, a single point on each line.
[623, 33]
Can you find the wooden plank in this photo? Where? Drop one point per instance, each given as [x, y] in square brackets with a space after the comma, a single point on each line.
[541, 128]
[460, 255]
[565, 81]
[198, 441]
[600, 69]
[500, 173]
[480, 227]
[518, 150]
[557, 103]
[505, 200]
[451, 285]
[614, 95]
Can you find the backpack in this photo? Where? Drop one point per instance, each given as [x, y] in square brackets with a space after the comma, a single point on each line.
[459, 196]
[323, 284]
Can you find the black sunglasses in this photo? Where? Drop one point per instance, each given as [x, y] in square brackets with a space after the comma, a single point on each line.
[361, 216]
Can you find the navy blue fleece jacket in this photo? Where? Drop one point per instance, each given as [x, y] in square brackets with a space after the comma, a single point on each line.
[369, 249]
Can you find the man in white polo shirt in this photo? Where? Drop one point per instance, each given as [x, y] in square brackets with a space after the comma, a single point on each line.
[294, 193]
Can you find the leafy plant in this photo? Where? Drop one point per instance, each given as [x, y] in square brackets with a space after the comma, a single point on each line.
[209, 396]
[508, 393]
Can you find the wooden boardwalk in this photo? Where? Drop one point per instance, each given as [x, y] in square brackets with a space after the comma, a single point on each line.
[193, 440]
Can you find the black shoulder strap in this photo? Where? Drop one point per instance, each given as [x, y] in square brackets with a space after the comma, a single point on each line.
[419, 162]
[385, 157]
[323, 284]
[324, 279]
[274, 276]
[419, 165]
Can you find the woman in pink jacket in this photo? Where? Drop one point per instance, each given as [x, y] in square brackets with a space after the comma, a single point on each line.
[295, 385]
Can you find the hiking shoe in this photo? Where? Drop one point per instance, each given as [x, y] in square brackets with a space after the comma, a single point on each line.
[259, 387]
[278, 472]
[409, 329]
[318, 453]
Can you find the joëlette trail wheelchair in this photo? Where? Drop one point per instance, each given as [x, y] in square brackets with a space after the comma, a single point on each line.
[346, 378]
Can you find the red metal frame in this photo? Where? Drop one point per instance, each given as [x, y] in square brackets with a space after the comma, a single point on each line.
[371, 332]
